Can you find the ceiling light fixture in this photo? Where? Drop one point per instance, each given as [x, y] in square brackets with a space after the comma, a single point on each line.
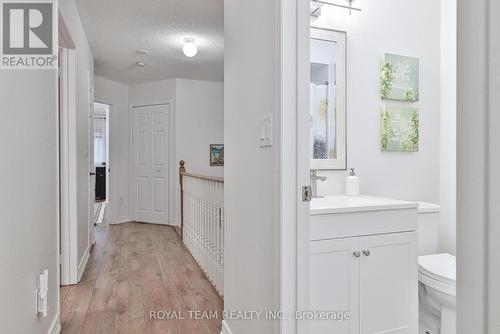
[190, 49]
[142, 52]
[140, 64]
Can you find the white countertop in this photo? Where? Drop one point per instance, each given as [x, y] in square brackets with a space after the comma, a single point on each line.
[345, 204]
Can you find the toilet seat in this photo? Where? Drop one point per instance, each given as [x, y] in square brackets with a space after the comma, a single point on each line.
[438, 271]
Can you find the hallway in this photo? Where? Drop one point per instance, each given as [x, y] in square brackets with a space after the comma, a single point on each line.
[135, 269]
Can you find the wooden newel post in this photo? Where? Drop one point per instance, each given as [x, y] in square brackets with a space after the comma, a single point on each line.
[182, 170]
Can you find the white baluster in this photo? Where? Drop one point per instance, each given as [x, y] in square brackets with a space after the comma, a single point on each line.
[204, 226]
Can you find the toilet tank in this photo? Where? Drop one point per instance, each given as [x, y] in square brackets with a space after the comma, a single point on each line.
[428, 228]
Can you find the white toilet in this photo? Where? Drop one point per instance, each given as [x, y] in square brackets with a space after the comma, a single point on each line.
[436, 276]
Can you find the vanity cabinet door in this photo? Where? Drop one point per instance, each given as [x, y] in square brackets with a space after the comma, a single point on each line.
[334, 284]
[389, 284]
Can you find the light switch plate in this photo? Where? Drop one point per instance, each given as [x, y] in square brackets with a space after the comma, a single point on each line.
[42, 293]
[266, 131]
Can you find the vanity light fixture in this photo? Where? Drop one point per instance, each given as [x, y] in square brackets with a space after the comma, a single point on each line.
[190, 49]
[348, 6]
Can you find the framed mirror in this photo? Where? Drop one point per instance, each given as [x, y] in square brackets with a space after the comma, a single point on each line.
[327, 119]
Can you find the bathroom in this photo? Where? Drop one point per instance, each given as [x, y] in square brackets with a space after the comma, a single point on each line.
[396, 129]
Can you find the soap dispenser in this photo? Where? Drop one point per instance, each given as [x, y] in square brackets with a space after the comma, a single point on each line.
[352, 184]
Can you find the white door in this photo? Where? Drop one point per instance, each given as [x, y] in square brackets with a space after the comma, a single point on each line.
[389, 284]
[335, 284]
[150, 161]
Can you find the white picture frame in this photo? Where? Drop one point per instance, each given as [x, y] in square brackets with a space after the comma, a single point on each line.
[340, 78]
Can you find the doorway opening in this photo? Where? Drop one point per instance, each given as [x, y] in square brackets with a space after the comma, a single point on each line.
[101, 159]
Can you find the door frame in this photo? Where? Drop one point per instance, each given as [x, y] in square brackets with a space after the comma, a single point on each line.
[303, 154]
[292, 160]
[90, 160]
[171, 175]
[108, 145]
[68, 169]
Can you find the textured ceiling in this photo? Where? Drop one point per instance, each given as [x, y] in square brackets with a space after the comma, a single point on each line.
[117, 28]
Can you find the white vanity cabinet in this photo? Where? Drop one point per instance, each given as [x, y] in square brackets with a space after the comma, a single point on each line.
[334, 281]
[358, 268]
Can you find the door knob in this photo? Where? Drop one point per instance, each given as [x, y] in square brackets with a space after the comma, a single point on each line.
[356, 254]
[366, 252]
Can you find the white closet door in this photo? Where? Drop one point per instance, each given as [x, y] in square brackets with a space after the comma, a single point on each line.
[150, 163]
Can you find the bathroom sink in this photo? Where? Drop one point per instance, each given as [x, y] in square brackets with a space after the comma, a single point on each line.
[346, 216]
[344, 204]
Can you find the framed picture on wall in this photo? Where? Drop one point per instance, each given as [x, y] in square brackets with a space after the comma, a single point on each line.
[216, 154]
[399, 129]
[399, 78]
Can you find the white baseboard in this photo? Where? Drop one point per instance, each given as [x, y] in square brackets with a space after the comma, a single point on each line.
[225, 328]
[174, 222]
[120, 220]
[83, 263]
[102, 211]
[55, 328]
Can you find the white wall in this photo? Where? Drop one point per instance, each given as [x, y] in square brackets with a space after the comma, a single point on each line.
[198, 119]
[116, 94]
[199, 122]
[29, 199]
[448, 129]
[29, 202]
[154, 92]
[85, 65]
[404, 27]
[251, 179]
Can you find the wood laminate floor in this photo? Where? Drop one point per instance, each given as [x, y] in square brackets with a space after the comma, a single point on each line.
[135, 269]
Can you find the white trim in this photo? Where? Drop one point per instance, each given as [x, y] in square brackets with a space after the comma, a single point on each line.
[302, 160]
[288, 164]
[478, 161]
[108, 143]
[102, 210]
[340, 163]
[120, 220]
[55, 327]
[175, 222]
[293, 160]
[225, 328]
[83, 263]
[108, 152]
[90, 157]
[68, 169]
[493, 178]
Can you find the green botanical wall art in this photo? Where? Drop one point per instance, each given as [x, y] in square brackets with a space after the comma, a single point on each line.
[399, 129]
[399, 78]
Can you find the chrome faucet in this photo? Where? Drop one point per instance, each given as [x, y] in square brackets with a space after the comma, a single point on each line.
[314, 182]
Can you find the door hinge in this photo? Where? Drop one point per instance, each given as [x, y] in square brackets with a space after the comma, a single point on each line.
[306, 194]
